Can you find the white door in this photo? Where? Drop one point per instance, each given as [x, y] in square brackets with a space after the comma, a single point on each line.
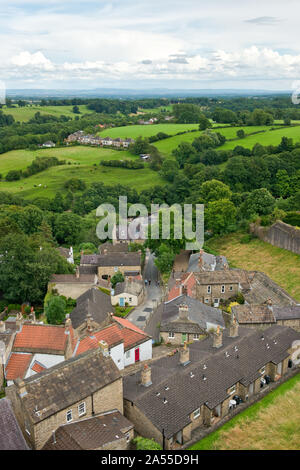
[251, 387]
[279, 368]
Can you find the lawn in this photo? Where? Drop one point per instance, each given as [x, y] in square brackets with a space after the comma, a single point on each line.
[273, 423]
[25, 113]
[281, 265]
[146, 130]
[84, 164]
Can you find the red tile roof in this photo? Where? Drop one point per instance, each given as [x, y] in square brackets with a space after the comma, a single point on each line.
[37, 367]
[114, 334]
[188, 281]
[41, 337]
[17, 366]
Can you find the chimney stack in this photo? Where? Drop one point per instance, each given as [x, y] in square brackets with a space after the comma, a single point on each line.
[200, 260]
[104, 348]
[77, 274]
[217, 338]
[19, 319]
[89, 321]
[270, 304]
[21, 387]
[2, 327]
[183, 312]
[234, 327]
[68, 323]
[184, 355]
[146, 376]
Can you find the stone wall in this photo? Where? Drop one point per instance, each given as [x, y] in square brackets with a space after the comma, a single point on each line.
[279, 234]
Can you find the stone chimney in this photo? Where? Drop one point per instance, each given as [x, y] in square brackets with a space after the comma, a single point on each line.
[225, 266]
[68, 323]
[2, 327]
[184, 355]
[19, 319]
[104, 348]
[105, 251]
[217, 338]
[89, 323]
[270, 304]
[77, 274]
[233, 327]
[32, 316]
[200, 260]
[183, 312]
[21, 387]
[146, 376]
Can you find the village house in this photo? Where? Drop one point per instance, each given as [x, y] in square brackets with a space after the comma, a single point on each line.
[106, 431]
[203, 261]
[125, 343]
[79, 388]
[95, 304]
[109, 264]
[37, 347]
[48, 144]
[263, 315]
[181, 283]
[108, 247]
[186, 319]
[212, 287]
[67, 253]
[200, 384]
[131, 293]
[7, 335]
[11, 437]
[72, 285]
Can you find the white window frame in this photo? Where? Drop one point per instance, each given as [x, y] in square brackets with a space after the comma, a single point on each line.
[209, 289]
[116, 269]
[263, 370]
[171, 335]
[127, 354]
[223, 289]
[196, 413]
[232, 389]
[206, 301]
[195, 336]
[81, 413]
[69, 420]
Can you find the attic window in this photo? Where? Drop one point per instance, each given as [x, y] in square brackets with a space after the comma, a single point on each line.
[166, 387]
[204, 377]
[192, 375]
[262, 338]
[205, 366]
[165, 401]
[267, 346]
[274, 341]
[157, 394]
[236, 348]
[226, 354]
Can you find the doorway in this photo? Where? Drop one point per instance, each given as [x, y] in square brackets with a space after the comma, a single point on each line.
[137, 354]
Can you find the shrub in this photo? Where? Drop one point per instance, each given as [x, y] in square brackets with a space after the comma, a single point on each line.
[146, 444]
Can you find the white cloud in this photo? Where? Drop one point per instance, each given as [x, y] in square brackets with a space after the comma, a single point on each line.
[35, 60]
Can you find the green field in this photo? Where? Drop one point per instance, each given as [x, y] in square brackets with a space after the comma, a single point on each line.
[168, 108]
[146, 130]
[28, 112]
[167, 145]
[82, 161]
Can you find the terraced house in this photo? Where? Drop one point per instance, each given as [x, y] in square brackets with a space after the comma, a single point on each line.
[198, 386]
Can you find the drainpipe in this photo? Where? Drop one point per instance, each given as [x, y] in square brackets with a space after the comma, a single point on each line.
[163, 434]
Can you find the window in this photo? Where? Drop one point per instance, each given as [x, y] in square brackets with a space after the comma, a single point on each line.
[262, 370]
[127, 355]
[196, 413]
[208, 289]
[232, 390]
[127, 437]
[230, 288]
[222, 289]
[116, 269]
[27, 427]
[171, 334]
[195, 336]
[69, 416]
[130, 299]
[81, 409]
[206, 301]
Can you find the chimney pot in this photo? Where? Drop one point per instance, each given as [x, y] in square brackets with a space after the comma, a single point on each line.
[234, 327]
[183, 312]
[2, 327]
[77, 272]
[21, 387]
[104, 348]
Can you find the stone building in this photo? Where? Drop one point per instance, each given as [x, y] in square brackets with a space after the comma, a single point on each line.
[110, 263]
[212, 287]
[94, 304]
[106, 431]
[73, 390]
[72, 285]
[131, 292]
[199, 385]
[11, 437]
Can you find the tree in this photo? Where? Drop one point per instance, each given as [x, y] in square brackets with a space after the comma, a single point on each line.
[241, 133]
[169, 169]
[67, 228]
[282, 183]
[183, 153]
[118, 277]
[55, 310]
[165, 259]
[76, 109]
[220, 216]
[214, 190]
[204, 123]
[259, 202]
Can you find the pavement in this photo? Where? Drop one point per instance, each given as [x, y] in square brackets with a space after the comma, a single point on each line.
[154, 294]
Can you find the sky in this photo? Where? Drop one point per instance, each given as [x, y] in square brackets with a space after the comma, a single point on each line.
[147, 44]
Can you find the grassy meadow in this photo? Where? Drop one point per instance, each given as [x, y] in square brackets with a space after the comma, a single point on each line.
[146, 130]
[81, 162]
[27, 112]
[273, 423]
[280, 265]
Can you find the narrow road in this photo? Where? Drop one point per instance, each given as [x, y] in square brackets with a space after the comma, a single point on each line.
[153, 297]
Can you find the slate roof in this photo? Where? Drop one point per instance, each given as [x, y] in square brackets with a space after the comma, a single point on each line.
[91, 433]
[112, 259]
[11, 437]
[71, 278]
[210, 262]
[117, 248]
[133, 287]
[186, 280]
[263, 288]
[67, 383]
[38, 338]
[198, 314]
[187, 390]
[93, 302]
[287, 312]
[253, 313]
[88, 270]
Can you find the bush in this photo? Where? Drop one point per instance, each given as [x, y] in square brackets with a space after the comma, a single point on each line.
[55, 310]
[247, 238]
[146, 444]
